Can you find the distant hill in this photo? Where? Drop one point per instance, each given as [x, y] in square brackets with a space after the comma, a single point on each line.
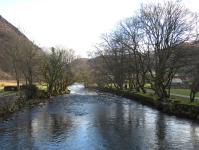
[83, 61]
[4, 27]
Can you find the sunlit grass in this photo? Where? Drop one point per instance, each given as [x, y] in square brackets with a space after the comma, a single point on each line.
[14, 83]
[175, 91]
[13, 92]
[42, 87]
[182, 99]
[147, 85]
[183, 92]
[180, 91]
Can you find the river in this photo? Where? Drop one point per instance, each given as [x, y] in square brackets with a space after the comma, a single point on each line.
[90, 120]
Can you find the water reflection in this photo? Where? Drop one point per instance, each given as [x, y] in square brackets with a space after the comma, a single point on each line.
[86, 119]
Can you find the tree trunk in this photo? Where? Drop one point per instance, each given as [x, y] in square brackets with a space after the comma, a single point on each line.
[18, 88]
[142, 85]
[168, 94]
[55, 86]
[192, 96]
[143, 89]
[137, 88]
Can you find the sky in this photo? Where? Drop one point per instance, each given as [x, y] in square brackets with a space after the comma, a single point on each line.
[75, 24]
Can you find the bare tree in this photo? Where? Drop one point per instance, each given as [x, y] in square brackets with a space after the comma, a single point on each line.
[30, 60]
[50, 64]
[110, 60]
[72, 68]
[193, 70]
[167, 28]
[59, 68]
[132, 38]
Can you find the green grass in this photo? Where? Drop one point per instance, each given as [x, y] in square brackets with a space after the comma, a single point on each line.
[44, 87]
[186, 100]
[151, 95]
[183, 92]
[182, 99]
[180, 91]
[13, 92]
[175, 91]
[147, 85]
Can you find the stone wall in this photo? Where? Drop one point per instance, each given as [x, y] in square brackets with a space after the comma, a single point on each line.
[7, 101]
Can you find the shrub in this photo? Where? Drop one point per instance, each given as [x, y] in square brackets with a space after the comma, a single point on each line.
[30, 91]
[54, 92]
[41, 94]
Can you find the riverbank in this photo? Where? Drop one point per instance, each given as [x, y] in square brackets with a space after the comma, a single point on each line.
[165, 106]
[97, 120]
[18, 102]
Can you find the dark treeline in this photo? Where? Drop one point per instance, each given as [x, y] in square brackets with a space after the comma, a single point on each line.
[156, 44]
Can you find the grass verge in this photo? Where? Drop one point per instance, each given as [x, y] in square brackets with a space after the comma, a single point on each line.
[13, 92]
[182, 99]
[183, 92]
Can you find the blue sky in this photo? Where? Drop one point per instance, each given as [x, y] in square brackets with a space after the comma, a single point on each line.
[75, 24]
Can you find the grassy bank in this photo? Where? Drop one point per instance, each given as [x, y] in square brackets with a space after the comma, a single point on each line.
[184, 108]
[20, 105]
[180, 91]
[182, 99]
[183, 92]
[21, 101]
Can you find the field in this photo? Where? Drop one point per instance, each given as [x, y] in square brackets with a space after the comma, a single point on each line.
[180, 91]
[175, 91]
[182, 99]
[183, 92]
[7, 83]
[14, 83]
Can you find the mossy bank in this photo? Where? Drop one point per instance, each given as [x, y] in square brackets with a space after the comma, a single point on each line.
[12, 103]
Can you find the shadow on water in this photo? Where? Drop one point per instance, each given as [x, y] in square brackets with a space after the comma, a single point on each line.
[88, 119]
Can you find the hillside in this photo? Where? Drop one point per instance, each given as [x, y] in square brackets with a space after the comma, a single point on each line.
[7, 32]
[4, 25]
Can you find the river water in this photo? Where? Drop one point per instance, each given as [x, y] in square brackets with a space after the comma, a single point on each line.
[90, 120]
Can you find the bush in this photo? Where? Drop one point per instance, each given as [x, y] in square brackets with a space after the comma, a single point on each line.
[30, 91]
[41, 94]
[54, 92]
